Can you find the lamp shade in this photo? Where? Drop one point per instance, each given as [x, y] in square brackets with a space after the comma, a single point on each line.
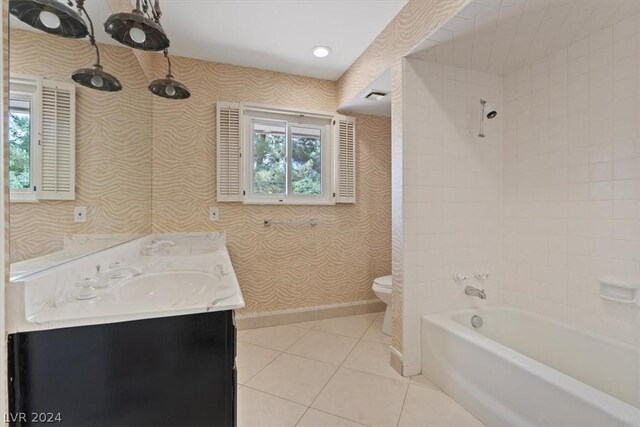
[169, 88]
[150, 35]
[50, 16]
[96, 78]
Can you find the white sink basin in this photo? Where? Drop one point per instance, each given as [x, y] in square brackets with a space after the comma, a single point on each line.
[177, 289]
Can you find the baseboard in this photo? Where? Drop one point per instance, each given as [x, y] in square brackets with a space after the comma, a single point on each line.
[395, 360]
[411, 370]
[307, 314]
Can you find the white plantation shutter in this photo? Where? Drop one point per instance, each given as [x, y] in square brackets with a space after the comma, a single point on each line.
[56, 141]
[229, 161]
[345, 149]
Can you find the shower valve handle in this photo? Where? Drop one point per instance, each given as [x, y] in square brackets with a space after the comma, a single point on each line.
[460, 277]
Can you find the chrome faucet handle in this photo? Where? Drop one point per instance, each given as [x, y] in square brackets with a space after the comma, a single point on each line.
[86, 288]
[482, 275]
[460, 277]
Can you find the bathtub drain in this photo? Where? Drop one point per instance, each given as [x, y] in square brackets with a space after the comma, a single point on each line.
[476, 321]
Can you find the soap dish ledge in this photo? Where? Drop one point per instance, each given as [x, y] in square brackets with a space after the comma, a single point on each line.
[617, 290]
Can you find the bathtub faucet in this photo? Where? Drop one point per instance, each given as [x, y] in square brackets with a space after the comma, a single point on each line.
[475, 292]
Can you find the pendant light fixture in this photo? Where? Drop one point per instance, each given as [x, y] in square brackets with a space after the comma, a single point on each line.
[168, 87]
[139, 29]
[95, 78]
[50, 16]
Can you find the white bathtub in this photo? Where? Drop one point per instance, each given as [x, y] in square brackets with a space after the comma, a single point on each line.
[521, 369]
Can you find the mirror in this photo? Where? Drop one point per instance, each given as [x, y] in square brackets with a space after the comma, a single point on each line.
[80, 169]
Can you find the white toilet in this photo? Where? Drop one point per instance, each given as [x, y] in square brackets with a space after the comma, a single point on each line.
[382, 288]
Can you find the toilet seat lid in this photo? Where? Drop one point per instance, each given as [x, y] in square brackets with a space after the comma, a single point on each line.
[384, 281]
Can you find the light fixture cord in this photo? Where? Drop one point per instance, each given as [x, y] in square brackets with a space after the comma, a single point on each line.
[166, 55]
[92, 38]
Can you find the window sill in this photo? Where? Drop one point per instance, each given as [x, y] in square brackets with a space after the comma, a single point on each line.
[289, 202]
[22, 198]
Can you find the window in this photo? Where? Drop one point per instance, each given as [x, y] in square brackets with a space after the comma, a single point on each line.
[288, 158]
[22, 141]
[277, 156]
[41, 139]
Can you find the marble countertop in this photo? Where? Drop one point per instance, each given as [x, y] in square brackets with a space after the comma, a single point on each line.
[193, 276]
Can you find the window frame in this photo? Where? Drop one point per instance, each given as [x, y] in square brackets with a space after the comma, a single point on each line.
[28, 195]
[323, 122]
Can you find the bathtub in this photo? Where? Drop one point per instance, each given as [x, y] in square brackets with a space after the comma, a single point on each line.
[521, 369]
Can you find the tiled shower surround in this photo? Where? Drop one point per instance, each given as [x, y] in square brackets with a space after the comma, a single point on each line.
[452, 192]
[547, 202]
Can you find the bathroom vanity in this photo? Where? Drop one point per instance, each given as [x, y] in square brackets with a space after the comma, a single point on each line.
[150, 340]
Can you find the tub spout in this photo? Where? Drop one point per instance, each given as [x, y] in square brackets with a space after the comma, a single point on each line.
[475, 292]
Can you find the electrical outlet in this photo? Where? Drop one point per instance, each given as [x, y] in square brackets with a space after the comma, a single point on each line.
[80, 214]
[214, 214]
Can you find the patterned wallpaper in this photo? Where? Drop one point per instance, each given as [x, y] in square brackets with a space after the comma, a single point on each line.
[410, 26]
[283, 266]
[397, 241]
[113, 147]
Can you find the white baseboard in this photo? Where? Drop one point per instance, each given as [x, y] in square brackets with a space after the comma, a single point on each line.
[307, 314]
[395, 360]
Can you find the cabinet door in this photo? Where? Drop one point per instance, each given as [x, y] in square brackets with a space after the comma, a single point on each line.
[167, 371]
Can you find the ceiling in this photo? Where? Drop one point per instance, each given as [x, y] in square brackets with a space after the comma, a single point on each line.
[276, 35]
[498, 36]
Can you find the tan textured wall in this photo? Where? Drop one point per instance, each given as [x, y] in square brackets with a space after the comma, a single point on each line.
[284, 266]
[410, 26]
[113, 147]
[396, 203]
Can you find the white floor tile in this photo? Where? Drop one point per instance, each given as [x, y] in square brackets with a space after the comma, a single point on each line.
[251, 359]
[372, 357]
[352, 326]
[257, 409]
[314, 418]
[275, 338]
[422, 381]
[374, 333]
[293, 378]
[427, 407]
[324, 347]
[362, 397]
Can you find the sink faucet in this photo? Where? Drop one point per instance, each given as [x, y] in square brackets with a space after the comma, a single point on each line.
[116, 272]
[475, 292]
[154, 247]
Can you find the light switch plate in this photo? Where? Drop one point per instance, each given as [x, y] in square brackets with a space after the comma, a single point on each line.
[80, 214]
[214, 214]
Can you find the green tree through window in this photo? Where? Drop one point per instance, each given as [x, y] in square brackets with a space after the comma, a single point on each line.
[19, 148]
[270, 159]
[306, 161]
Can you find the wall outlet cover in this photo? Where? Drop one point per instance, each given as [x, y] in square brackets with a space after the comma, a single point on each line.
[80, 214]
[214, 214]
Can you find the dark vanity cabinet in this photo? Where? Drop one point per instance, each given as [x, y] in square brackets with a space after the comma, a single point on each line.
[169, 371]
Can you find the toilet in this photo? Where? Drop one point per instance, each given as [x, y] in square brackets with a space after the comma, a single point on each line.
[382, 288]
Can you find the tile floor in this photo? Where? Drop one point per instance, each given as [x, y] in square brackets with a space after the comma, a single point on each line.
[334, 373]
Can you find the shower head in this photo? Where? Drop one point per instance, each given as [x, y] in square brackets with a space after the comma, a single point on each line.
[487, 111]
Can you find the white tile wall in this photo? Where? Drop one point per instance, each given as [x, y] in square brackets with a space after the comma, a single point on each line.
[548, 202]
[452, 191]
[572, 180]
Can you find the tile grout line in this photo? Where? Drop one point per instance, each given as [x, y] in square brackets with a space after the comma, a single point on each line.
[273, 360]
[328, 381]
[403, 402]
[336, 371]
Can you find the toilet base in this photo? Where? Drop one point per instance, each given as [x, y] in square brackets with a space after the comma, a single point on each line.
[386, 325]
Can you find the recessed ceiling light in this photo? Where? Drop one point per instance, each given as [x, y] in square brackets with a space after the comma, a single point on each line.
[322, 51]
